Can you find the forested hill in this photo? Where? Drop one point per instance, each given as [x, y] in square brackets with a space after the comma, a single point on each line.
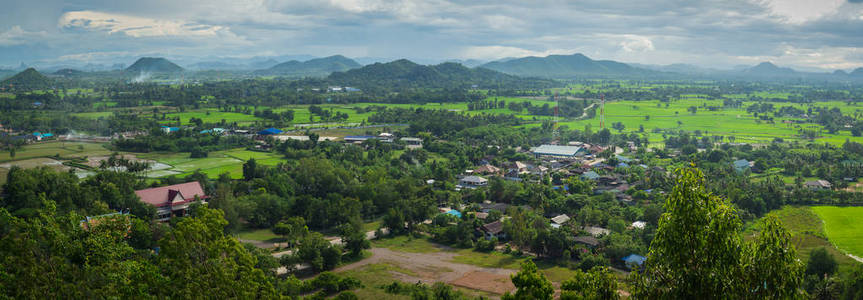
[407, 74]
[564, 66]
[29, 79]
[154, 65]
[316, 67]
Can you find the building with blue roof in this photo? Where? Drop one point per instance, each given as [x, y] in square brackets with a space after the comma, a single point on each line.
[168, 129]
[741, 165]
[214, 130]
[634, 260]
[270, 131]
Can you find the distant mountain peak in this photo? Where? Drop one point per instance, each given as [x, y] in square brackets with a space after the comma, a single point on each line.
[769, 69]
[154, 65]
[26, 80]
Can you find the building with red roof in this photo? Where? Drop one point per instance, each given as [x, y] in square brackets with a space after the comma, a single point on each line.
[173, 200]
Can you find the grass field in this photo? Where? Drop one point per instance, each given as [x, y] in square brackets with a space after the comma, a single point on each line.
[654, 115]
[406, 244]
[51, 148]
[264, 235]
[807, 233]
[218, 162]
[844, 227]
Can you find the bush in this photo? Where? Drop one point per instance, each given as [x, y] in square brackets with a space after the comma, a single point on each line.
[485, 245]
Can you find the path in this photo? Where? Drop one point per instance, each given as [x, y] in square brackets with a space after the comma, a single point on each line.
[584, 114]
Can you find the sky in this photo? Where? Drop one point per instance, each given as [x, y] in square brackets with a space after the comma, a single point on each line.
[805, 34]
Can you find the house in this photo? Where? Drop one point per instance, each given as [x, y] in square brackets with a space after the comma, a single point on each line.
[173, 200]
[559, 151]
[559, 220]
[818, 185]
[487, 169]
[412, 142]
[213, 131]
[358, 138]
[639, 224]
[586, 240]
[742, 165]
[167, 129]
[473, 181]
[270, 131]
[520, 167]
[489, 206]
[634, 260]
[624, 158]
[590, 175]
[481, 215]
[91, 222]
[596, 231]
[493, 230]
[453, 213]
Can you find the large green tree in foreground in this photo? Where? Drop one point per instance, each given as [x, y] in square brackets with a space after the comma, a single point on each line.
[699, 252]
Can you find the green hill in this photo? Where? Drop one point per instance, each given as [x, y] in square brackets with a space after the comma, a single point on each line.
[769, 69]
[153, 65]
[318, 67]
[29, 79]
[563, 66]
[69, 73]
[405, 73]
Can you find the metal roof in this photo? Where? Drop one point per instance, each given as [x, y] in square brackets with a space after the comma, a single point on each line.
[557, 150]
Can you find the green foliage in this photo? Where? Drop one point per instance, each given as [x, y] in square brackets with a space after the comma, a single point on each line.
[698, 252]
[318, 252]
[530, 284]
[597, 284]
[821, 263]
[198, 256]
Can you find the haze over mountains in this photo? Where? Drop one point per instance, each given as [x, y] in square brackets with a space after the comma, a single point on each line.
[318, 67]
[551, 67]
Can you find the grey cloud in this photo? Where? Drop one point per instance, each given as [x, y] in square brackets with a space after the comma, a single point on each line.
[711, 32]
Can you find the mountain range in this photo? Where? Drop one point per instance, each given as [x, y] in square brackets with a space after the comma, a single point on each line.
[318, 67]
[563, 66]
[405, 73]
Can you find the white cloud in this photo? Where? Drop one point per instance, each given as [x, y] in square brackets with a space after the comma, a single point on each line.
[802, 11]
[18, 36]
[636, 43]
[137, 27]
[823, 58]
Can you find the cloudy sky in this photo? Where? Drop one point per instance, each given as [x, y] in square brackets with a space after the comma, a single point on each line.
[808, 34]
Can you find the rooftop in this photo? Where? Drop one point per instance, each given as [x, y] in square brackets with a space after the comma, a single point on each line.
[556, 150]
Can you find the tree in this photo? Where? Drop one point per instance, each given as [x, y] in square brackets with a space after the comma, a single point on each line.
[599, 283]
[698, 251]
[530, 284]
[198, 256]
[354, 239]
[250, 169]
[318, 252]
[820, 263]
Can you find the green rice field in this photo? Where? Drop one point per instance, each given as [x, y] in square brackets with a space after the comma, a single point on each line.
[844, 227]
